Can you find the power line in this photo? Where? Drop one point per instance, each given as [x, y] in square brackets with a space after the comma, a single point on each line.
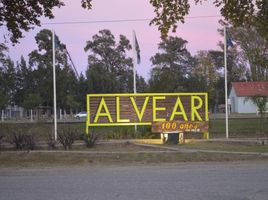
[121, 20]
[95, 22]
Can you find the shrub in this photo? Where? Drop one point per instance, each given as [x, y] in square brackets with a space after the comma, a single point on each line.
[17, 139]
[1, 141]
[67, 138]
[22, 141]
[51, 142]
[91, 139]
[121, 133]
[29, 142]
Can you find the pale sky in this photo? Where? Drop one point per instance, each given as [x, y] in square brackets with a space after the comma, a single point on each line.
[200, 32]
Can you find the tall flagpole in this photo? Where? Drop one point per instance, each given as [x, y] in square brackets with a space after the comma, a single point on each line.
[135, 61]
[225, 83]
[54, 86]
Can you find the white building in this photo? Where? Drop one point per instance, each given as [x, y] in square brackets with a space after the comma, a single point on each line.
[241, 90]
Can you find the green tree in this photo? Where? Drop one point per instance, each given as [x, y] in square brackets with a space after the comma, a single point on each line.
[24, 14]
[239, 13]
[109, 68]
[254, 49]
[72, 103]
[211, 67]
[7, 78]
[23, 81]
[31, 100]
[236, 65]
[206, 70]
[142, 86]
[41, 62]
[3, 98]
[172, 66]
[82, 90]
[67, 88]
[261, 102]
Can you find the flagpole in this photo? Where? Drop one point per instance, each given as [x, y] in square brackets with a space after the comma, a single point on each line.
[134, 66]
[225, 84]
[54, 86]
[134, 63]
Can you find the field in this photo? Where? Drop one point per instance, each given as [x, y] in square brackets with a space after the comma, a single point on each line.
[247, 127]
[127, 154]
[120, 152]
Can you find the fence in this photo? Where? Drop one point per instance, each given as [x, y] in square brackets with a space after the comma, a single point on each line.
[240, 125]
[15, 113]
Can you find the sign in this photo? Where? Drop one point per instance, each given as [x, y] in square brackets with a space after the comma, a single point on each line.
[179, 126]
[145, 108]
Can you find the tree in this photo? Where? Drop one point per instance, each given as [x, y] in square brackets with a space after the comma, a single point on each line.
[254, 49]
[109, 68]
[172, 66]
[71, 103]
[3, 98]
[239, 13]
[82, 90]
[261, 102]
[3, 50]
[23, 81]
[31, 100]
[206, 70]
[236, 71]
[41, 61]
[7, 78]
[23, 15]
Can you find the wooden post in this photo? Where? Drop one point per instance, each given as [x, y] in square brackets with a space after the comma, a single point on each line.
[181, 138]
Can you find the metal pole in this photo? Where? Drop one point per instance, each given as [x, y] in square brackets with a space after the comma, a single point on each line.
[60, 114]
[134, 66]
[2, 116]
[225, 83]
[31, 115]
[134, 62]
[54, 86]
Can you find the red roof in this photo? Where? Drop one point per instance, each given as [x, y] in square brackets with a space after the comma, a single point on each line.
[243, 89]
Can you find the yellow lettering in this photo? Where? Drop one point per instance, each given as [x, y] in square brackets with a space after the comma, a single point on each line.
[155, 109]
[194, 112]
[174, 125]
[118, 119]
[106, 112]
[182, 111]
[139, 113]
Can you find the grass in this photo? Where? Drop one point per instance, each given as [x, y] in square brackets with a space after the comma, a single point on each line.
[126, 154]
[238, 128]
[38, 159]
[42, 130]
[246, 125]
